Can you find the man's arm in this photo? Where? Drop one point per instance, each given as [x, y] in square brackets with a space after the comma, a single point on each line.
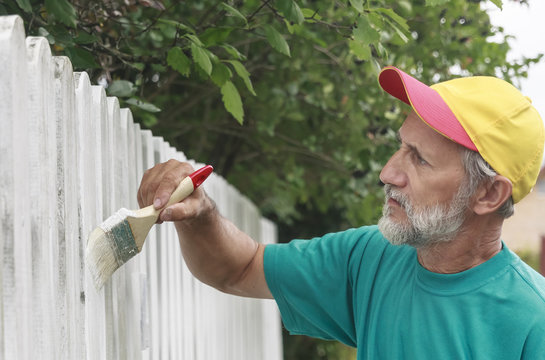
[214, 249]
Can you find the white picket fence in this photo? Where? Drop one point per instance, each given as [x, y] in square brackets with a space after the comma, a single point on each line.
[69, 158]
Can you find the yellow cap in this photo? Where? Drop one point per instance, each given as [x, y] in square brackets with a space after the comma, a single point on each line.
[496, 120]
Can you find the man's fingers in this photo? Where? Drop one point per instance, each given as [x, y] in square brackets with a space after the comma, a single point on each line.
[165, 188]
[174, 173]
[159, 182]
[179, 211]
[149, 184]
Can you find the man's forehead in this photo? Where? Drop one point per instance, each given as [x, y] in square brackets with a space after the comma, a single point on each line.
[417, 133]
[414, 126]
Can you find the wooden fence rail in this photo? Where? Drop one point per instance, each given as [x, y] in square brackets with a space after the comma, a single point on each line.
[69, 158]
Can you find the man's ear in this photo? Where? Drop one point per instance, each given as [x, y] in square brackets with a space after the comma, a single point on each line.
[490, 196]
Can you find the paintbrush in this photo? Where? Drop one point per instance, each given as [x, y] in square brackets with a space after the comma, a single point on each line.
[122, 235]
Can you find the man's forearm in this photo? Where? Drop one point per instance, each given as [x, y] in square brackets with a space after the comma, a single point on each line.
[221, 255]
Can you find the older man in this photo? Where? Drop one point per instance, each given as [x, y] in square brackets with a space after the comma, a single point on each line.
[433, 280]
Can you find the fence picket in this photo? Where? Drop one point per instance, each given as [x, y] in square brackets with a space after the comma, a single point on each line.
[150, 248]
[65, 221]
[95, 307]
[14, 201]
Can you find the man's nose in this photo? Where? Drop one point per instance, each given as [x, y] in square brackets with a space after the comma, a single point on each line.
[392, 173]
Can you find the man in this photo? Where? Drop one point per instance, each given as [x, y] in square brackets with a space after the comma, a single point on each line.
[433, 280]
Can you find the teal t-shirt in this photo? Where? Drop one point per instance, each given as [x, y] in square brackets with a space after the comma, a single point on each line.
[355, 287]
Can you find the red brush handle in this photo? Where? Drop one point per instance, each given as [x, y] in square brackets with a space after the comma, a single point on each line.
[200, 175]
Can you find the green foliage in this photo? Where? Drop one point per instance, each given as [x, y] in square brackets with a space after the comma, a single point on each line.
[62, 11]
[24, 5]
[244, 75]
[234, 12]
[498, 3]
[232, 101]
[81, 58]
[276, 40]
[291, 11]
[177, 60]
[143, 105]
[436, 2]
[121, 88]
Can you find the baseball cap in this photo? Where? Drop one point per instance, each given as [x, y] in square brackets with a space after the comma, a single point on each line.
[482, 113]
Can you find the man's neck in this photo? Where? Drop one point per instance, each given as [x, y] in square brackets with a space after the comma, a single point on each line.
[474, 245]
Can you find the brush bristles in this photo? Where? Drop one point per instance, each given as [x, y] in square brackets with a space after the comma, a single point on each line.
[100, 258]
[110, 246]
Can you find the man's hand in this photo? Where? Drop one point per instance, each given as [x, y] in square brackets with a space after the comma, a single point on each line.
[159, 182]
[214, 249]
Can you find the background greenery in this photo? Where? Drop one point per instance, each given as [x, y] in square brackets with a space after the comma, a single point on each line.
[280, 96]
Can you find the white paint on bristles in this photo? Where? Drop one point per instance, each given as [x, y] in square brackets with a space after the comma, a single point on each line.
[70, 158]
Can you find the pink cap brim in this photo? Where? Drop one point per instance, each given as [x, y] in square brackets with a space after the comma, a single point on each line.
[426, 102]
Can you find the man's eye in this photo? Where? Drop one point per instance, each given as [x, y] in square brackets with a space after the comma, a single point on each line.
[420, 160]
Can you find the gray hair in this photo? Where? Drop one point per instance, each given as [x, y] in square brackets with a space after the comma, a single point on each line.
[479, 171]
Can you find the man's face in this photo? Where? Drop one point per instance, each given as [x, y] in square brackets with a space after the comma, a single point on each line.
[425, 198]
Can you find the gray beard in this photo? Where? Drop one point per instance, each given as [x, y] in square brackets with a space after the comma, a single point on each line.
[426, 226]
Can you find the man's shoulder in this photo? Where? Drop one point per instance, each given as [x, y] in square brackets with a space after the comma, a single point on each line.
[532, 281]
[529, 292]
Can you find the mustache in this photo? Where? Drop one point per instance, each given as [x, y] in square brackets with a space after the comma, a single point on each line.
[393, 193]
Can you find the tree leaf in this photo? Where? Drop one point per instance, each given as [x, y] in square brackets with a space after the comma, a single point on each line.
[25, 5]
[81, 58]
[121, 88]
[357, 4]
[62, 35]
[176, 24]
[311, 15]
[436, 2]
[177, 60]
[276, 40]
[200, 56]
[62, 10]
[231, 10]
[498, 3]
[220, 74]
[364, 32]
[291, 11]
[84, 38]
[231, 50]
[362, 51]
[43, 32]
[143, 105]
[215, 35]
[399, 32]
[232, 102]
[244, 75]
[395, 17]
[194, 39]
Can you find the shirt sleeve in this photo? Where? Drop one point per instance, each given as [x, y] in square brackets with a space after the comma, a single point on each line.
[312, 283]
